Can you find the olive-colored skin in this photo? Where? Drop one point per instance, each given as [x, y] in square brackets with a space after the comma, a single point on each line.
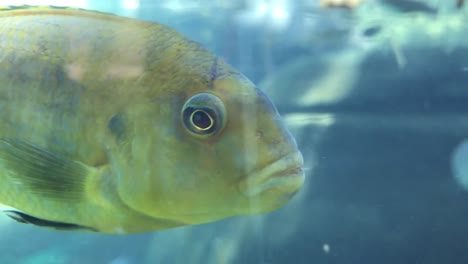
[123, 126]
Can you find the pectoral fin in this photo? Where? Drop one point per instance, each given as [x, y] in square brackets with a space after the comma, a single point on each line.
[43, 172]
[28, 219]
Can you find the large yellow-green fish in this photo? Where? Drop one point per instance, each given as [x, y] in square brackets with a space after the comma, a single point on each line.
[116, 125]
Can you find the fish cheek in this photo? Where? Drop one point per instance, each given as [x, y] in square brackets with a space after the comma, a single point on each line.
[172, 173]
[198, 182]
[149, 154]
[239, 96]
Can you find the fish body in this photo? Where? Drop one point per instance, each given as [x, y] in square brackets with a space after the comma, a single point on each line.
[120, 126]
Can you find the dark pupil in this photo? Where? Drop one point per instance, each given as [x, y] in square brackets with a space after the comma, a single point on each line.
[201, 120]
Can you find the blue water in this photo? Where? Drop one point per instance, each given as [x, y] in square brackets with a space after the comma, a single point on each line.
[377, 98]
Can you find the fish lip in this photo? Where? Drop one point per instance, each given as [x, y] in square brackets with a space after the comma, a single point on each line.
[285, 175]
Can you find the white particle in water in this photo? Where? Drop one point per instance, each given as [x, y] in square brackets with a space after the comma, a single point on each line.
[326, 248]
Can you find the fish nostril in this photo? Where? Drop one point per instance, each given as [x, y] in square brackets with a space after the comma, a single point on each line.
[259, 134]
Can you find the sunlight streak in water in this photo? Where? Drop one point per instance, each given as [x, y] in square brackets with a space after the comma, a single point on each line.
[460, 164]
[131, 4]
[305, 119]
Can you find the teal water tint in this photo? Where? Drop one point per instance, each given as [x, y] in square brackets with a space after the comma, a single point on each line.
[377, 99]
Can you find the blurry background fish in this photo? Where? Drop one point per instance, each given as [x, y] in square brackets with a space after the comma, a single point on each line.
[377, 99]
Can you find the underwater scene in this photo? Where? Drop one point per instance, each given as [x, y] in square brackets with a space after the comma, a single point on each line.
[233, 131]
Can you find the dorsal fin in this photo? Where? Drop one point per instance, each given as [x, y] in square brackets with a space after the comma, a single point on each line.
[28, 10]
[20, 8]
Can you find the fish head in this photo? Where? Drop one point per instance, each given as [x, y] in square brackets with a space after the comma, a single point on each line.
[214, 150]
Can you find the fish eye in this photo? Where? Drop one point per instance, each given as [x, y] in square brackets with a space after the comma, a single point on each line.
[204, 114]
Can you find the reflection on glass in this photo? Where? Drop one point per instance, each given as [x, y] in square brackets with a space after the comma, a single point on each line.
[460, 164]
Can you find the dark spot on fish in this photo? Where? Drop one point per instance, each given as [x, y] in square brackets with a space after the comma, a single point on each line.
[67, 90]
[117, 126]
[60, 75]
[58, 7]
[63, 93]
[460, 3]
[213, 72]
[372, 31]
[15, 7]
[214, 69]
[21, 217]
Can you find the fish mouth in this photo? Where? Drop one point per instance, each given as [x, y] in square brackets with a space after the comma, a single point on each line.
[284, 175]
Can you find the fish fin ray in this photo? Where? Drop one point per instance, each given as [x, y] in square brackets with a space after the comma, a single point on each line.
[43, 172]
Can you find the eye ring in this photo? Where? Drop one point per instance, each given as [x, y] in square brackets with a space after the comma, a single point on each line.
[203, 115]
[199, 117]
